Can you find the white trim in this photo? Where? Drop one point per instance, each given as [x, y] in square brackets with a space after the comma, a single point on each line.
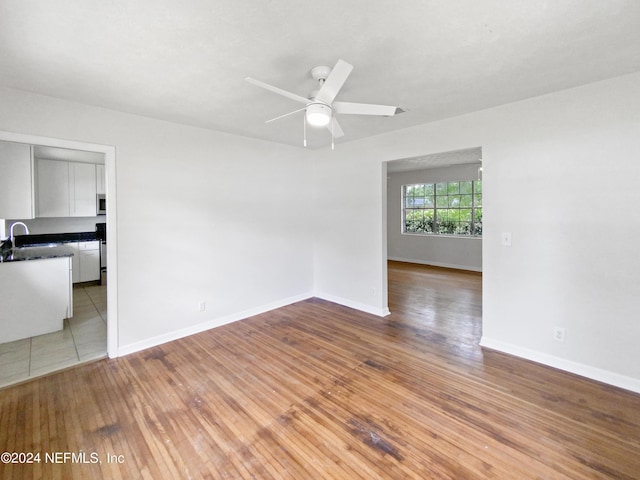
[437, 264]
[208, 325]
[600, 375]
[380, 312]
[112, 240]
[442, 235]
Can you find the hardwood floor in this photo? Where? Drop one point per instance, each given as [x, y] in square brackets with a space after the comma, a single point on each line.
[315, 390]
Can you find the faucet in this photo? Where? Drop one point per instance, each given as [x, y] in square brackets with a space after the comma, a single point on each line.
[12, 236]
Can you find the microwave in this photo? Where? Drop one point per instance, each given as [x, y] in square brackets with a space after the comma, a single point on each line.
[101, 204]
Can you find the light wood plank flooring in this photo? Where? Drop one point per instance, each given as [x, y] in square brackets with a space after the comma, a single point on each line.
[319, 391]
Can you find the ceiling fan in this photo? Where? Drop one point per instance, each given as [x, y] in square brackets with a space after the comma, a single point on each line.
[320, 107]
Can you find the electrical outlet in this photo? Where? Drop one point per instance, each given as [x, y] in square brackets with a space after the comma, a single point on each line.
[202, 306]
[506, 239]
[558, 334]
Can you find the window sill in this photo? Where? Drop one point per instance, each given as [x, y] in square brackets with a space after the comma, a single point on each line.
[442, 235]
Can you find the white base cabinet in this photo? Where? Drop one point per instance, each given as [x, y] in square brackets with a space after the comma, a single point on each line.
[37, 297]
[86, 261]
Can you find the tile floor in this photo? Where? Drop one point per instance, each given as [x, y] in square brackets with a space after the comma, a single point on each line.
[83, 338]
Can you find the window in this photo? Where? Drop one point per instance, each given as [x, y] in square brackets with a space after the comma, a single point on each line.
[445, 208]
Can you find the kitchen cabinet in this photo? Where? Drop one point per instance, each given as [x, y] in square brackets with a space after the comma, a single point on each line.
[86, 261]
[82, 189]
[16, 180]
[65, 189]
[101, 185]
[89, 261]
[52, 188]
[37, 296]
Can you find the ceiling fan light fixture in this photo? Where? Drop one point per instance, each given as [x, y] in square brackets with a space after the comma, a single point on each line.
[318, 114]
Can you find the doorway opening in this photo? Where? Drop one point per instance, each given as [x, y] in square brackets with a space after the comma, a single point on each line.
[90, 331]
[432, 212]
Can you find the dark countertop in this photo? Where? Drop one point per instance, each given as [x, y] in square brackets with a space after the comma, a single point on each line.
[35, 253]
[50, 238]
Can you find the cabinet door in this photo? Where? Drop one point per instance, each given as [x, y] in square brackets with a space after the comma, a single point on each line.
[82, 194]
[101, 187]
[16, 182]
[52, 188]
[89, 265]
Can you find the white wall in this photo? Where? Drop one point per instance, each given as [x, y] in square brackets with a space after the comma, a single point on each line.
[202, 216]
[443, 251]
[560, 173]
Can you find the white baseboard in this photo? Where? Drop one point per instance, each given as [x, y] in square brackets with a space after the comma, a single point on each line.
[436, 264]
[604, 376]
[201, 327]
[380, 312]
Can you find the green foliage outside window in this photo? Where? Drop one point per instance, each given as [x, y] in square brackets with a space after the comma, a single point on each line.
[445, 208]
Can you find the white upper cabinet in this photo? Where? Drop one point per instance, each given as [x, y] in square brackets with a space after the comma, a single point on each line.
[100, 182]
[52, 188]
[16, 180]
[82, 189]
[65, 189]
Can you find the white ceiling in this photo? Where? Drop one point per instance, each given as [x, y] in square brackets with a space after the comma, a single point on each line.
[186, 60]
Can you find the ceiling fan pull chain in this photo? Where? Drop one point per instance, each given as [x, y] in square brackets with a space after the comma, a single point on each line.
[304, 130]
[332, 137]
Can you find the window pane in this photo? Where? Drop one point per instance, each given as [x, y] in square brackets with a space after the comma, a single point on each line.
[463, 228]
[453, 188]
[426, 226]
[441, 188]
[409, 226]
[465, 215]
[478, 222]
[442, 201]
[477, 186]
[446, 227]
[465, 201]
[428, 189]
[413, 214]
[478, 199]
[454, 201]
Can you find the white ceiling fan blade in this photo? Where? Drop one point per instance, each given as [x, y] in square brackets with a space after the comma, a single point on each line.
[279, 91]
[285, 115]
[334, 82]
[335, 127]
[366, 109]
